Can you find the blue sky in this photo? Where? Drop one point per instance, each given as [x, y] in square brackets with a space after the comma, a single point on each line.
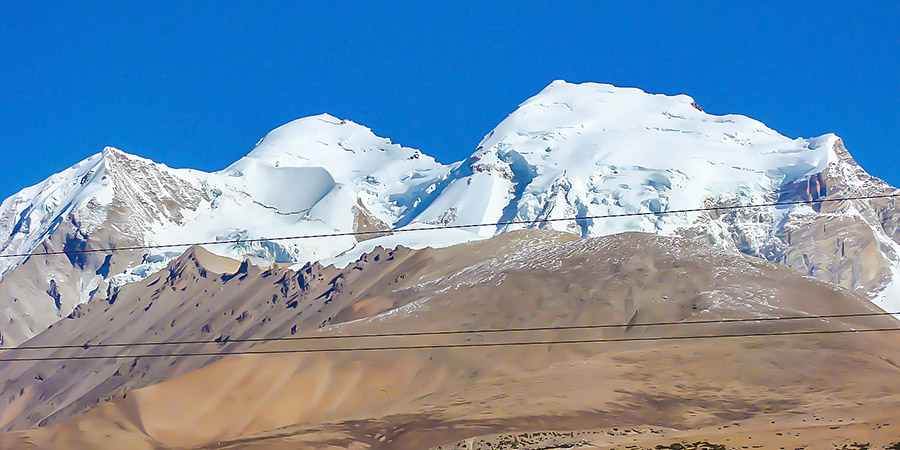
[197, 85]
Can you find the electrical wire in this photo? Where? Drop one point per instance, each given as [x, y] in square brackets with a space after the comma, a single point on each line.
[446, 332]
[87, 346]
[451, 227]
[446, 346]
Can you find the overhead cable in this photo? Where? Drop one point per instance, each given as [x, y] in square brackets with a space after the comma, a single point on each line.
[89, 345]
[447, 346]
[450, 227]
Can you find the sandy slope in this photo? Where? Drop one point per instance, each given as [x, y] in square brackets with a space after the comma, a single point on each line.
[427, 398]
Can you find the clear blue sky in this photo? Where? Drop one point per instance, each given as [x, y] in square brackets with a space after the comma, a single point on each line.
[197, 85]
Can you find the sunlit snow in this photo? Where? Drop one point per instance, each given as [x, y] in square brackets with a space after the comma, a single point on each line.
[571, 150]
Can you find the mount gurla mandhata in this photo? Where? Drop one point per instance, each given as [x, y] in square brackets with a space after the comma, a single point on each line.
[571, 150]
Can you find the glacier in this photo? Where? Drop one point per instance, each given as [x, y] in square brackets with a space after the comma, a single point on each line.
[585, 149]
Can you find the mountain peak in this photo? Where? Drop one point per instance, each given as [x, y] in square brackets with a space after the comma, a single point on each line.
[307, 137]
[585, 127]
[109, 150]
[562, 88]
[114, 156]
[344, 148]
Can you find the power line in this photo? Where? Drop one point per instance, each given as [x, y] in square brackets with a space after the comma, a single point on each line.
[450, 227]
[446, 346]
[87, 346]
[435, 333]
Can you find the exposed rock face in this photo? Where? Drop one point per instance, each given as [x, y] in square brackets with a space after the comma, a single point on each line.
[137, 194]
[850, 243]
[145, 194]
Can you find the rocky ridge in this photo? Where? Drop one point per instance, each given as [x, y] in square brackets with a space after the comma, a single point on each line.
[438, 397]
[572, 150]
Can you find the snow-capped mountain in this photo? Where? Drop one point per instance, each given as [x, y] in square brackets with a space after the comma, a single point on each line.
[595, 150]
[316, 175]
[571, 150]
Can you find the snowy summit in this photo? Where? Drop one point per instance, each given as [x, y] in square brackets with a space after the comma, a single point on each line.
[571, 150]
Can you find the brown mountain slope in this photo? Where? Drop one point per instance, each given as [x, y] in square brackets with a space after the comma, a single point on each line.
[426, 398]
